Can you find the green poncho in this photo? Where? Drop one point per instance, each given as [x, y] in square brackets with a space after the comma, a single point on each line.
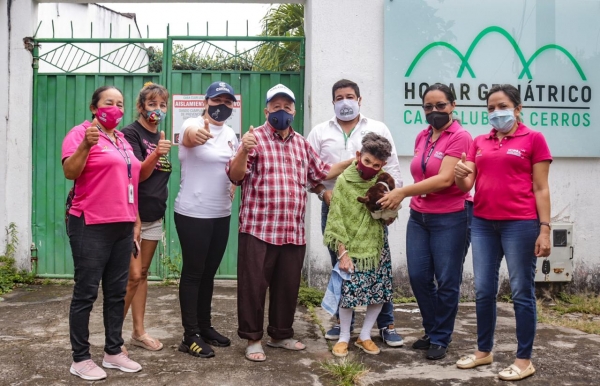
[350, 223]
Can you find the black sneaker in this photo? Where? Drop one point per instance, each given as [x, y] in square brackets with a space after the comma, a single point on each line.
[212, 337]
[436, 352]
[194, 345]
[422, 344]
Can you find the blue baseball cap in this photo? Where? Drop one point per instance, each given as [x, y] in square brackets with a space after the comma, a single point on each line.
[219, 88]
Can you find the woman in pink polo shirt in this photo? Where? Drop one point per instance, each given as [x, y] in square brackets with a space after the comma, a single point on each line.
[437, 234]
[100, 228]
[509, 168]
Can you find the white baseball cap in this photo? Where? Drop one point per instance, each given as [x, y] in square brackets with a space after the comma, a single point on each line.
[280, 90]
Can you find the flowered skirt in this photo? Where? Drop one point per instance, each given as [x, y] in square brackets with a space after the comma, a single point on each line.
[370, 287]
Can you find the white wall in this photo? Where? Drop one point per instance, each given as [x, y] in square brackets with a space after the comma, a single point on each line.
[4, 81]
[15, 130]
[88, 19]
[345, 40]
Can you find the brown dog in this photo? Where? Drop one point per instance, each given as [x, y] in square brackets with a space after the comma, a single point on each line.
[385, 183]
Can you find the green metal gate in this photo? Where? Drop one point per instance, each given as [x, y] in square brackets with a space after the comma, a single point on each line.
[67, 71]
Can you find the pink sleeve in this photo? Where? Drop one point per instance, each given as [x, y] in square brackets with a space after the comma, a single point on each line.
[72, 141]
[472, 150]
[460, 143]
[539, 149]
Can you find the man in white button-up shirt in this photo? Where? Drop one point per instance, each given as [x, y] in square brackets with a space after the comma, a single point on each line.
[339, 139]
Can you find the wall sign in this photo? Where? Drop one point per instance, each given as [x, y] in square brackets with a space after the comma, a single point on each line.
[547, 49]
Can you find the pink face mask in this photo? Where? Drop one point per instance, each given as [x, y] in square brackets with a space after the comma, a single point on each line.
[109, 116]
[365, 172]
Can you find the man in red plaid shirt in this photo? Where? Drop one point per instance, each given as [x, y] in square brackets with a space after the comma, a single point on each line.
[274, 165]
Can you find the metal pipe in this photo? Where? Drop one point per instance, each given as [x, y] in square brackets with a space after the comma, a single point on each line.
[99, 40]
[34, 122]
[38, 27]
[34, 259]
[195, 38]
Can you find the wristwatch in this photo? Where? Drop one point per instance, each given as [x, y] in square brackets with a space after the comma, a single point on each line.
[321, 194]
[546, 224]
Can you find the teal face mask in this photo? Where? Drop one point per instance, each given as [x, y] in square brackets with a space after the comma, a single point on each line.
[155, 116]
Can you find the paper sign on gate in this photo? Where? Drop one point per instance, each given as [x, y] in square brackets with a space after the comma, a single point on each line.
[192, 106]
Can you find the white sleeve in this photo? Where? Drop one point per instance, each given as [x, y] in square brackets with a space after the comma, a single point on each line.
[314, 140]
[392, 166]
[187, 123]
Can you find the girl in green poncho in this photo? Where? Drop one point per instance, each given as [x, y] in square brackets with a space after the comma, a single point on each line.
[361, 243]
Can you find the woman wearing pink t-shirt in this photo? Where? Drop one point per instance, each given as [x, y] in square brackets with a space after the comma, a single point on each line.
[437, 234]
[509, 169]
[100, 228]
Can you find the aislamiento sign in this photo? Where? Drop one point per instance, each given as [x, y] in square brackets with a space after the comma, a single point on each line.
[547, 49]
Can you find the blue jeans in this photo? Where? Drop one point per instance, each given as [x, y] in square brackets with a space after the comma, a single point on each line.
[386, 316]
[436, 245]
[516, 241]
[100, 252]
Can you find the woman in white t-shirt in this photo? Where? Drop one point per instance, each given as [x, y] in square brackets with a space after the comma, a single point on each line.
[202, 214]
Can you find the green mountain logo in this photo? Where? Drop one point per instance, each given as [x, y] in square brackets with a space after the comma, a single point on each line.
[465, 58]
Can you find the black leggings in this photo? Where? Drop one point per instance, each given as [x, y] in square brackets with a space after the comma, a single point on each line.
[203, 243]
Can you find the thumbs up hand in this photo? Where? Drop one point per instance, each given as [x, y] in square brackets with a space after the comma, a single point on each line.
[92, 136]
[164, 145]
[202, 134]
[249, 140]
[461, 170]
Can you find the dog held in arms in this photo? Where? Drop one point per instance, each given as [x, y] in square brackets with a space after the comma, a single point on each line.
[385, 183]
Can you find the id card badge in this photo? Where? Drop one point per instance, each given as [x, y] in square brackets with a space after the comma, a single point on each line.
[130, 193]
[346, 155]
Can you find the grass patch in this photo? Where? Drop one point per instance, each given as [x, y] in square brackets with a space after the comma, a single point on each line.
[404, 299]
[309, 296]
[585, 304]
[10, 276]
[172, 266]
[345, 371]
[572, 311]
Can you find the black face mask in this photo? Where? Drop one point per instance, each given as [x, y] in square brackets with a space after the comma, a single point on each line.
[219, 113]
[437, 119]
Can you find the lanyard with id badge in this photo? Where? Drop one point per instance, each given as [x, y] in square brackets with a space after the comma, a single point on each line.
[130, 193]
[424, 160]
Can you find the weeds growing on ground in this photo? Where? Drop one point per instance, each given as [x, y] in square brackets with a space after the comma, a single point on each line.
[404, 299]
[572, 311]
[309, 296]
[345, 371]
[172, 269]
[10, 276]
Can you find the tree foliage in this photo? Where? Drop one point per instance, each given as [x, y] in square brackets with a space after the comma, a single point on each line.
[282, 20]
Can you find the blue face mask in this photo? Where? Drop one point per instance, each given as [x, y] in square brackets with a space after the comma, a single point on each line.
[502, 120]
[280, 120]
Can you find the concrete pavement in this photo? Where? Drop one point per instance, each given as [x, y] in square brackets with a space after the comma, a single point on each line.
[35, 349]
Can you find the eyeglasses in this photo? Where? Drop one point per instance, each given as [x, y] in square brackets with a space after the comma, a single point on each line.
[438, 106]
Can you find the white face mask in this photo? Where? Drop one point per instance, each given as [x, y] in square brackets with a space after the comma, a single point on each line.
[346, 109]
[503, 120]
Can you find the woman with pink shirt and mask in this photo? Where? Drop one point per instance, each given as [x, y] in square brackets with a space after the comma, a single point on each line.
[437, 234]
[100, 226]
